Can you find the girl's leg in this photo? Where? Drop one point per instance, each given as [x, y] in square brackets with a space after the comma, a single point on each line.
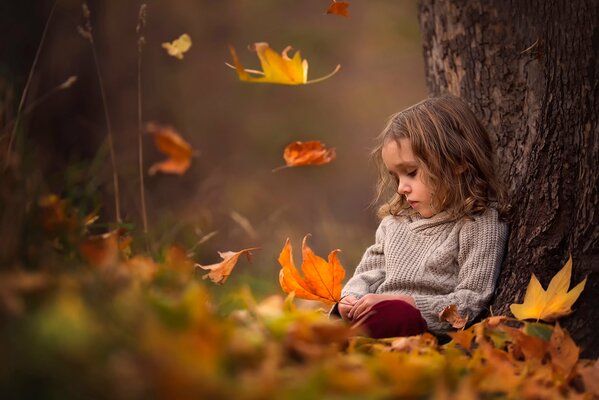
[392, 318]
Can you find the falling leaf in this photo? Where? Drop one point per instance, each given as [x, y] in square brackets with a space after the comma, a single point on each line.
[178, 47]
[338, 8]
[452, 315]
[172, 144]
[551, 304]
[276, 68]
[307, 153]
[219, 272]
[321, 281]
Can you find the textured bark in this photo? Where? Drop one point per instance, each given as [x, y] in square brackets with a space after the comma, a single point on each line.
[530, 70]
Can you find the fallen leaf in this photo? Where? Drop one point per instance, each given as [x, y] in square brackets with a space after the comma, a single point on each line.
[56, 215]
[531, 347]
[563, 350]
[101, 250]
[172, 144]
[338, 8]
[141, 267]
[590, 377]
[178, 47]
[452, 315]
[219, 272]
[307, 153]
[551, 304]
[463, 338]
[322, 279]
[276, 68]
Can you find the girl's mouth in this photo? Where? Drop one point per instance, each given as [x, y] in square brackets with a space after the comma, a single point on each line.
[413, 203]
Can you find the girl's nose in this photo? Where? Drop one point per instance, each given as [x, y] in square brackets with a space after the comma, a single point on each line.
[403, 188]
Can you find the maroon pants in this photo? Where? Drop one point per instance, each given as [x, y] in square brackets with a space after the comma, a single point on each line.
[391, 318]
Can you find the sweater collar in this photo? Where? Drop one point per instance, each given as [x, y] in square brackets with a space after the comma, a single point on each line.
[420, 224]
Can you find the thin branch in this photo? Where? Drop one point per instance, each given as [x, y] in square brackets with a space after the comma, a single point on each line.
[27, 84]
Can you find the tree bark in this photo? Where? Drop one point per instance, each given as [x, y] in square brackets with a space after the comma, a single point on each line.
[530, 71]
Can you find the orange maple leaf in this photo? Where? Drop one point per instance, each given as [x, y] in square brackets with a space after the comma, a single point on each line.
[276, 68]
[219, 272]
[312, 152]
[173, 145]
[322, 279]
[338, 8]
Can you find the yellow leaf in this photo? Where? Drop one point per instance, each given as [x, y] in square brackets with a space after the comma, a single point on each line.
[551, 304]
[276, 68]
[178, 47]
[322, 279]
[219, 272]
[174, 146]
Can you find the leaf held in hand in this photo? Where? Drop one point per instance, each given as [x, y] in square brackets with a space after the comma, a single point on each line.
[307, 153]
[178, 47]
[172, 144]
[338, 8]
[276, 68]
[452, 315]
[322, 279]
[219, 272]
[551, 304]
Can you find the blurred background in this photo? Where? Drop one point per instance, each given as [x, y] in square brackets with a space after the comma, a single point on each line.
[239, 130]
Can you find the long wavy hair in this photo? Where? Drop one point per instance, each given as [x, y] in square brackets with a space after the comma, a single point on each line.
[455, 155]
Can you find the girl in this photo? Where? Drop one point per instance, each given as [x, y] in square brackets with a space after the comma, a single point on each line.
[440, 241]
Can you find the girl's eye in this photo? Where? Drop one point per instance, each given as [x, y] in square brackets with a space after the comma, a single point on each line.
[412, 174]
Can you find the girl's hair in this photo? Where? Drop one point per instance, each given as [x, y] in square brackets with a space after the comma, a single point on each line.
[455, 154]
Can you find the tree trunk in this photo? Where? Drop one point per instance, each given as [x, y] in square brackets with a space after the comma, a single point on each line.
[530, 71]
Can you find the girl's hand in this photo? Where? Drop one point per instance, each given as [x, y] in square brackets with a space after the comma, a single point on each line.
[345, 305]
[364, 305]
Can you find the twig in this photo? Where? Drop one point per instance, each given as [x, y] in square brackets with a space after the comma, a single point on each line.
[63, 86]
[86, 32]
[26, 89]
[141, 23]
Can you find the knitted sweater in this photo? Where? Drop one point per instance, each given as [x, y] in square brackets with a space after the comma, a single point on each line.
[437, 261]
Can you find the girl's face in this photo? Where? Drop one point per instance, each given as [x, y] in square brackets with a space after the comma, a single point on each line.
[401, 163]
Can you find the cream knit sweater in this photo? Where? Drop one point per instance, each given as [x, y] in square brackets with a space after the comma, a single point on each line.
[437, 261]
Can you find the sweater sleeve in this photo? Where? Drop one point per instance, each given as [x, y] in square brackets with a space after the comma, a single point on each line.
[481, 248]
[370, 272]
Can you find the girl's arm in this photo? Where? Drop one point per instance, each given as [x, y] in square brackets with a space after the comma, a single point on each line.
[481, 248]
[370, 273]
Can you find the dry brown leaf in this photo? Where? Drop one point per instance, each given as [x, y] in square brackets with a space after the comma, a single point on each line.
[452, 315]
[174, 146]
[322, 279]
[338, 8]
[219, 272]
